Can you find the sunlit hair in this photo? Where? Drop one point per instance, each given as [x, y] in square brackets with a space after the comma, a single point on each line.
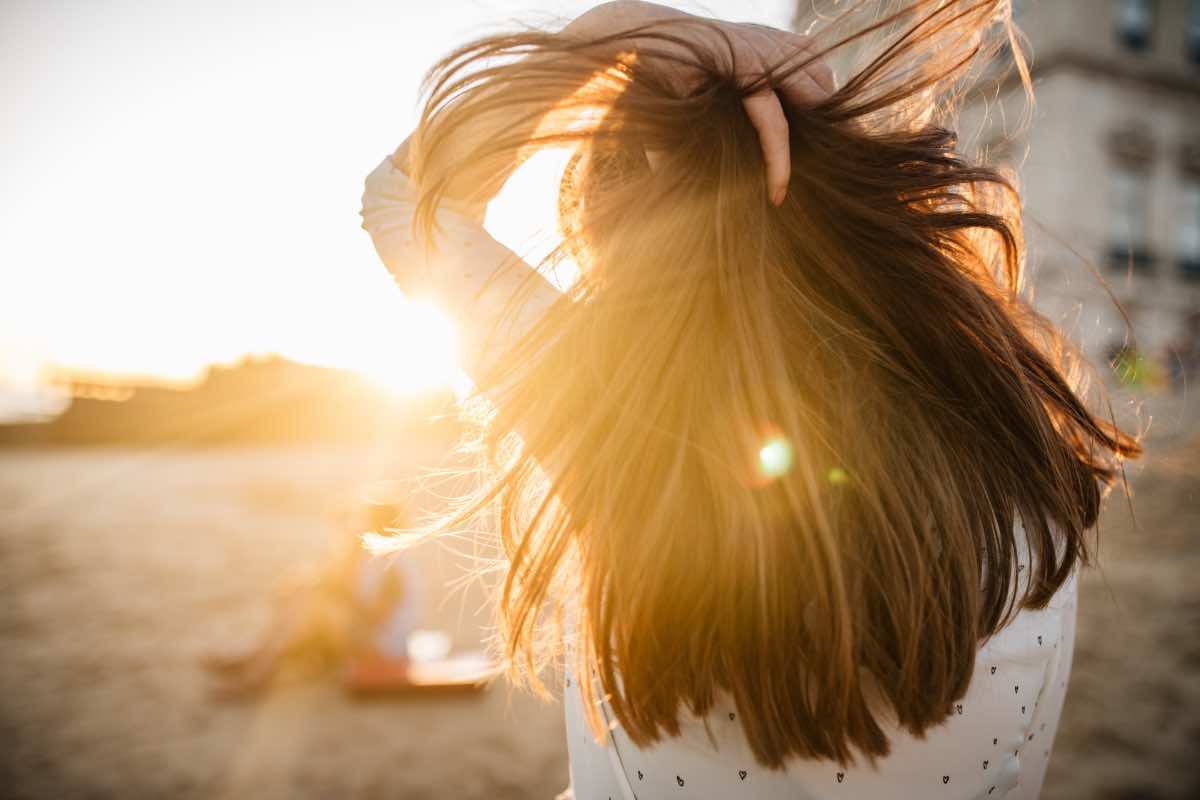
[785, 448]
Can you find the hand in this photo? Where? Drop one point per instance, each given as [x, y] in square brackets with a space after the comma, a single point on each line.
[747, 52]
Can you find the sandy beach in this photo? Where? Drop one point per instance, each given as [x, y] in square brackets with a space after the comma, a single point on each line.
[120, 567]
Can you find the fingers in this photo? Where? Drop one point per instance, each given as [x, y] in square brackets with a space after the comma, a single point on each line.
[801, 90]
[762, 51]
[818, 71]
[809, 85]
[822, 73]
[766, 114]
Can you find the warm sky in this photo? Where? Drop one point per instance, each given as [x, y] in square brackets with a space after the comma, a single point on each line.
[181, 180]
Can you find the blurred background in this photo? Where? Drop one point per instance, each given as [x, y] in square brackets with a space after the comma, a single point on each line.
[208, 381]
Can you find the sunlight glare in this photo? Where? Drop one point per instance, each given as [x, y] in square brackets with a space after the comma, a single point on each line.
[424, 359]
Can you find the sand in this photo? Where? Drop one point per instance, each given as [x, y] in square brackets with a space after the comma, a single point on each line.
[119, 567]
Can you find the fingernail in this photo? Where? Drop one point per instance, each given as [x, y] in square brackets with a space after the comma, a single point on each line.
[777, 198]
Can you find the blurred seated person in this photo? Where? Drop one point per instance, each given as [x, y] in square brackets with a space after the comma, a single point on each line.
[349, 615]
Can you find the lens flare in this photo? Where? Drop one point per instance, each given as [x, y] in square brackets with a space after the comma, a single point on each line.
[838, 476]
[775, 457]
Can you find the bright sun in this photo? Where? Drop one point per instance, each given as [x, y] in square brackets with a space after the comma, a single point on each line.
[426, 359]
[421, 352]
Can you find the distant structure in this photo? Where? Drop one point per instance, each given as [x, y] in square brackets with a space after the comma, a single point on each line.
[258, 401]
[1113, 171]
[1110, 170]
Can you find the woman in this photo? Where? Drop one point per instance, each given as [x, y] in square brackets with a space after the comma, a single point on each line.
[791, 472]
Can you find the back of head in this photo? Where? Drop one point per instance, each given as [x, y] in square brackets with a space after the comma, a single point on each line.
[789, 444]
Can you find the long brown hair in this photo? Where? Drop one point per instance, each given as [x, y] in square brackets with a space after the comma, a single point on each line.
[785, 448]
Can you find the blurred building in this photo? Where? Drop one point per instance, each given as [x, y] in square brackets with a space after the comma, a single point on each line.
[1109, 164]
[1110, 167]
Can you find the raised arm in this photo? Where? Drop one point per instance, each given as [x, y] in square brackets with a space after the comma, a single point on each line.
[469, 275]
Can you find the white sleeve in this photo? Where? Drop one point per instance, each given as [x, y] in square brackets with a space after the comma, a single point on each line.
[468, 274]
